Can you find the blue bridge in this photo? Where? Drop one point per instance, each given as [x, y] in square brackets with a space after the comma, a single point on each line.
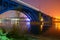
[32, 14]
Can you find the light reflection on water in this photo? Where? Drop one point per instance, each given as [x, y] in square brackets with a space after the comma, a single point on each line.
[8, 23]
[24, 23]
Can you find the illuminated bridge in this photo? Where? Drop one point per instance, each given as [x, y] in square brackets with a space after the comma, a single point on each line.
[39, 22]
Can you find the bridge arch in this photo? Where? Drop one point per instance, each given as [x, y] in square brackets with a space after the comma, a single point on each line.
[31, 13]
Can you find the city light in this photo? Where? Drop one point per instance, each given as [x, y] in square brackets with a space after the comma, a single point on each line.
[42, 23]
[1, 20]
[57, 24]
[15, 19]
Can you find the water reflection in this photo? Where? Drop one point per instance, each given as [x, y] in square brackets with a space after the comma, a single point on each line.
[11, 18]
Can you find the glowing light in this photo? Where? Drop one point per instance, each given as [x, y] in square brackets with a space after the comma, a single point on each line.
[57, 24]
[15, 19]
[28, 24]
[41, 24]
[57, 17]
[28, 19]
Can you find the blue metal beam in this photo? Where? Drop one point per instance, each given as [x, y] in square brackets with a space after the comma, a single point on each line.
[6, 5]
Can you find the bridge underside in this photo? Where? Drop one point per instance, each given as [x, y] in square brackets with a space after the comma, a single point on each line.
[33, 15]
